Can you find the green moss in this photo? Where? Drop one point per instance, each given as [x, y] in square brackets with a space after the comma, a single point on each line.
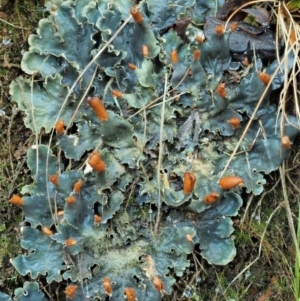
[242, 237]
[12, 175]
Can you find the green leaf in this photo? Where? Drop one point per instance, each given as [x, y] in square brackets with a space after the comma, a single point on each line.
[246, 97]
[56, 37]
[145, 74]
[204, 8]
[42, 164]
[44, 64]
[109, 205]
[215, 229]
[163, 13]
[44, 256]
[117, 132]
[42, 106]
[5, 297]
[215, 57]
[74, 146]
[30, 291]
[112, 172]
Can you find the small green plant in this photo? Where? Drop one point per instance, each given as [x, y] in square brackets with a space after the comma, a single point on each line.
[132, 184]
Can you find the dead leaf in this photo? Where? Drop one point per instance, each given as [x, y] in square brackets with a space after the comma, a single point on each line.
[260, 15]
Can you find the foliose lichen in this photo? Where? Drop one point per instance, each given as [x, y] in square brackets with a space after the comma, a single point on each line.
[126, 224]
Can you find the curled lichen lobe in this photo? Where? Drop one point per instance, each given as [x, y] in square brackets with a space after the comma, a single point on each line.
[16, 200]
[286, 142]
[54, 179]
[96, 162]
[130, 294]
[136, 14]
[158, 284]
[189, 181]
[229, 182]
[77, 186]
[211, 198]
[107, 286]
[59, 127]
[71, 290]
[97, 105]
[234, 122]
